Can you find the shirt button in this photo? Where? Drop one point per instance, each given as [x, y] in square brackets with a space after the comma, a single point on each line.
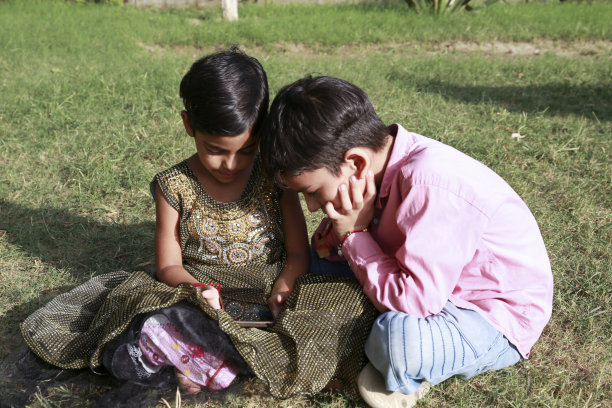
[375, 221]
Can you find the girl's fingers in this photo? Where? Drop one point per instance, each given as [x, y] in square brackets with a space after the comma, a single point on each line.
[211, 296]
[276, 303]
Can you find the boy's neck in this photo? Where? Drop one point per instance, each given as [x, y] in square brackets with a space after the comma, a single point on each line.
[380, 159]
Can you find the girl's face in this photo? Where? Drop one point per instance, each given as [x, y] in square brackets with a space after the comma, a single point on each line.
[226, 158]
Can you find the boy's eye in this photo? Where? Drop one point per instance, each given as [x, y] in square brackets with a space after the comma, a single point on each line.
[213, 152]
[312, 193]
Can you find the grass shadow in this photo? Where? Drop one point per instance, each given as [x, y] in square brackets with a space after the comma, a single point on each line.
[555, 99]
[75, 242]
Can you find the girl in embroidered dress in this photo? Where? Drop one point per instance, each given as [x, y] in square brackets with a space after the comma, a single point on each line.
[225, 234]
[226, 100]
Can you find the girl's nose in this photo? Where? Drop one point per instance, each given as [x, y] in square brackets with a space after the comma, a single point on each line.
[231, 162]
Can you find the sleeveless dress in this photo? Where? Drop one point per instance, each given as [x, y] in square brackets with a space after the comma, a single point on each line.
[318, 337]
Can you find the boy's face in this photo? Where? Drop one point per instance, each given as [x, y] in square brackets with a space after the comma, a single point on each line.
[320, 186]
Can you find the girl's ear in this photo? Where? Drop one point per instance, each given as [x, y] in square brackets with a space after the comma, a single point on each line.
[187, 124]
[359, 159]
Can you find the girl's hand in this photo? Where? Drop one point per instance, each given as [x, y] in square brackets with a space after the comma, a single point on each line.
[298, 252]
[356, 208]
[211, 296]
[280, 293]
[277, 302]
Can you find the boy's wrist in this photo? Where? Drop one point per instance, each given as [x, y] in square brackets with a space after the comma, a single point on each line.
[348, 234]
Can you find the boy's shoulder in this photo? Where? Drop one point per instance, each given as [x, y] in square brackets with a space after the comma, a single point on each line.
[418, 156]
[432, 165]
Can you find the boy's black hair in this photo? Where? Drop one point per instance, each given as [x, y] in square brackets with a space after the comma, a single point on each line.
[313, 122]
[226, 93]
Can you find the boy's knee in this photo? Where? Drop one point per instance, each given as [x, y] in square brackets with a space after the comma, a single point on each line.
[394, 346]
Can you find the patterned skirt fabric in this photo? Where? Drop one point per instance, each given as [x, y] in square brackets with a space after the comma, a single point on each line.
[319, 336]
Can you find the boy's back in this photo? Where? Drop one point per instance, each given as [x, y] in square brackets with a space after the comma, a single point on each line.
[481, 244]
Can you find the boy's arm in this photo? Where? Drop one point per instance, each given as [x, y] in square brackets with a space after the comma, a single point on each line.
[324, 241]
[168, 254]
[441, 235]
[296, 246]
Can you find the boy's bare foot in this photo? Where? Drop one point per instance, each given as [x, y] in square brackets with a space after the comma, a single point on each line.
[186, 384]
[374, 392]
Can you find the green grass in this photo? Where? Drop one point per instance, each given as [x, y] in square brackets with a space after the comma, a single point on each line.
[89, 112]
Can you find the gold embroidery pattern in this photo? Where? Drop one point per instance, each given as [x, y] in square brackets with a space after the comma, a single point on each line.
[319, 336]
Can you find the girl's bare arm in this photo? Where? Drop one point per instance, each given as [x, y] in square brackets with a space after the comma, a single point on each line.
[168, 255]
[296, 245]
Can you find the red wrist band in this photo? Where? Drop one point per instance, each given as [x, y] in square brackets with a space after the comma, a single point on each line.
[348, 234]
[214, 285]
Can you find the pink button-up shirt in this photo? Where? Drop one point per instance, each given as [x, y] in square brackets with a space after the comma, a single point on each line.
[446, 227]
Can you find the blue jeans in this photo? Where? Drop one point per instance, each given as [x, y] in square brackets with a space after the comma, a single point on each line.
[321, 266]
[408, 350]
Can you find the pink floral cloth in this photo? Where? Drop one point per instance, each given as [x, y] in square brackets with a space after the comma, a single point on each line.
[162, 345]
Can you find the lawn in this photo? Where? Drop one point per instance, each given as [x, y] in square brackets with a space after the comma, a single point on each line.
[89, 112]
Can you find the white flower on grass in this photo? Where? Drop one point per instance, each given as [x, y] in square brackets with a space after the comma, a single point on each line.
[517, 136]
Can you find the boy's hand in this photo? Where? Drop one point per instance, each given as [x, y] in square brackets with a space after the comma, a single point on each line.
[357, 208]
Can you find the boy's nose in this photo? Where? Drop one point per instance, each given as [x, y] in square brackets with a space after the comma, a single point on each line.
[312, 204]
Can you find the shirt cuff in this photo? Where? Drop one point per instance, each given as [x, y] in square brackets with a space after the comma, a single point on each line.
[359, 249]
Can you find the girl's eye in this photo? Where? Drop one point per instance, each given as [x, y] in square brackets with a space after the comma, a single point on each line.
[311, 193]
[250, 150]
[213, 152]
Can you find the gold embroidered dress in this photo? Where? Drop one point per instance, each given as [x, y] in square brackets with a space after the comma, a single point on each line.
[318, 337]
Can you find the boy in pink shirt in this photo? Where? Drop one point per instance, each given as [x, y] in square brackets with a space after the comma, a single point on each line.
[443, 247]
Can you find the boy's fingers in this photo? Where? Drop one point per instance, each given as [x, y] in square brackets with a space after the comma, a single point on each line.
[370, 191]
[356, 194]
[345, 199]
[331, 211]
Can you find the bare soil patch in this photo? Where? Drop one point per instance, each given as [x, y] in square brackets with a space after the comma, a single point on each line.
[571, 49]
[558, 48]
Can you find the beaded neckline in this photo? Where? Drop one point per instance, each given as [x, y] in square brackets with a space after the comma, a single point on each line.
[246, 192]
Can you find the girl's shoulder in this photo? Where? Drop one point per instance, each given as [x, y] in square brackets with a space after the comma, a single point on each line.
[176, 172]
[174, 183]
[265, 183]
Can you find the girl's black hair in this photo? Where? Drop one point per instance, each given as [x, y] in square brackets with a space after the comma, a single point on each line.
[313, 122]
[226, 93]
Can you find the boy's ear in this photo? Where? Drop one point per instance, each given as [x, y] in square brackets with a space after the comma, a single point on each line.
[359, 159]
[187, 124]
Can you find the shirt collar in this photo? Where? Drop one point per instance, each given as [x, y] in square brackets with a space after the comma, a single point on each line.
[401, 145]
